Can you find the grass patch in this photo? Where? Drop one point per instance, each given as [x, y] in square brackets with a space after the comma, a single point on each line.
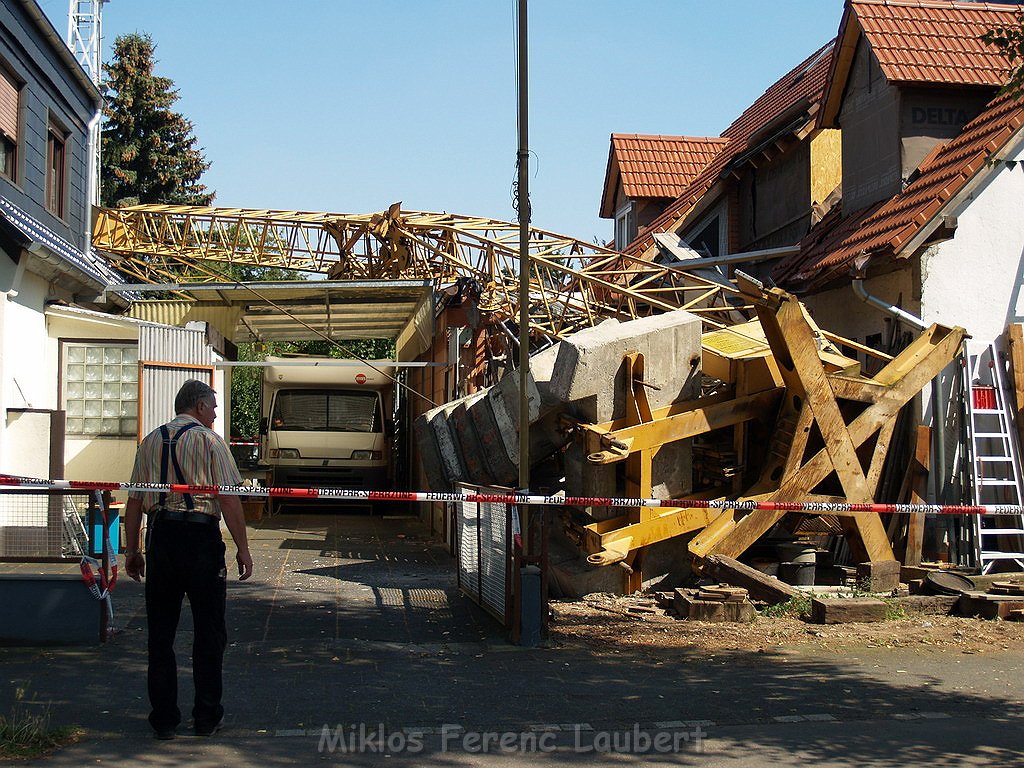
[24, 736]
[797, 607]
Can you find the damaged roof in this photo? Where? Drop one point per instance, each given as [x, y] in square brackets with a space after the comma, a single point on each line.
[654, 166]
[916, 42]
[923, 42]
[895, 227]
[795, 94]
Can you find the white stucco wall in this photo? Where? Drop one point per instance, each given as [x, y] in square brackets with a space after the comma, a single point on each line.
[103, 458]
[841, 312]
[975, 279]
[30, 370]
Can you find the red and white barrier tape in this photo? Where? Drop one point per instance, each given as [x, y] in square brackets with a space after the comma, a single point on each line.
[832, 508]
[96, 577]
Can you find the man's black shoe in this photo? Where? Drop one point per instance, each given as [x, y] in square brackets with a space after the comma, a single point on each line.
[164, 734]
[209, 730]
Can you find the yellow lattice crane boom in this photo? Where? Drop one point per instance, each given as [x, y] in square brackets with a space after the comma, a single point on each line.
[574, 284]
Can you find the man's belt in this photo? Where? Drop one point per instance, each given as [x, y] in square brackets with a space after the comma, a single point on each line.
[183, 517]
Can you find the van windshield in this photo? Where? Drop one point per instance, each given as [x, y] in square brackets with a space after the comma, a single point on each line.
[326, 410]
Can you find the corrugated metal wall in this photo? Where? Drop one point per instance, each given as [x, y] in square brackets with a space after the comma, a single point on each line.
[168, 357]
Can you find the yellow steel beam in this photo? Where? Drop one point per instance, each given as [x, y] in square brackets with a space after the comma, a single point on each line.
[574, 284]
[610, 541]
[703, 415]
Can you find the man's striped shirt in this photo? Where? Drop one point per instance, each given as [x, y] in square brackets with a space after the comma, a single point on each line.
[204, 459]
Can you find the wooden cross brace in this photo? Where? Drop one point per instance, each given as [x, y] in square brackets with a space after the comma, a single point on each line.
[811, 399]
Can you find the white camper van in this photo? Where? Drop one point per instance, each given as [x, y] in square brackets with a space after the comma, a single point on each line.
[327, 425]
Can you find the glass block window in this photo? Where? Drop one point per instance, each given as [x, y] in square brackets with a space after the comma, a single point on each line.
[101, 389]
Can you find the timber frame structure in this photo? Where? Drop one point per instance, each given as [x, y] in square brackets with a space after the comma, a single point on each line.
[829, 432]
[573, 284]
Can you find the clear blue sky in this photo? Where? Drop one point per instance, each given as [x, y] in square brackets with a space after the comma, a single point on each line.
[351, 105]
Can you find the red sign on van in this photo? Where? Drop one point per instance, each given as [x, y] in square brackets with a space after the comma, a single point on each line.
[360, 378]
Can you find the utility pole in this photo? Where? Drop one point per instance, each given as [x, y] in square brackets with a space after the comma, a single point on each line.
[85, 39]
[531, 579]
[523, 205]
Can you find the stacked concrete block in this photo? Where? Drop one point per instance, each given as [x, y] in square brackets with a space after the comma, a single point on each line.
[470, 446]
[476, 439]
[589, 374]
[430, 454]
[440, 453]
[493, 451]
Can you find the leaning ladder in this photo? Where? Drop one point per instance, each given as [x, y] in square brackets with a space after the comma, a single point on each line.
[995, 461]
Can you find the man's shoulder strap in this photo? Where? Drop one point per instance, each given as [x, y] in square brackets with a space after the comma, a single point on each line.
[167, 451]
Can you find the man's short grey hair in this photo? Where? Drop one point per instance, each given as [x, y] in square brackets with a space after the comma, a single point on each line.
[191, 392]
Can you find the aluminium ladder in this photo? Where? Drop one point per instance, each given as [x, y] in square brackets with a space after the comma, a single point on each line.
[995, 460]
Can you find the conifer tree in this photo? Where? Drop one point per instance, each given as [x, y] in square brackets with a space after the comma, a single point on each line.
[149, 150]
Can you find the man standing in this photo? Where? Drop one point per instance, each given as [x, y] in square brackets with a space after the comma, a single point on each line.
[185, 555]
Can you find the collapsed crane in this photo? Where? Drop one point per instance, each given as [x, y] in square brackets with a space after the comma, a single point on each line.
[830, 426]
[573, 285]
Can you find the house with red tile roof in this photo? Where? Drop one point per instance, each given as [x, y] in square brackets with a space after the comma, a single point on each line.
[646, 173]
[933, 173]
[769, 181]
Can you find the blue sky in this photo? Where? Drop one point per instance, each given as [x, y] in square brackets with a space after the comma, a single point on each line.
[351, 105]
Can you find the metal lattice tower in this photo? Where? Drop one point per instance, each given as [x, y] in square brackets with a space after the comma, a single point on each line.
[85, 39]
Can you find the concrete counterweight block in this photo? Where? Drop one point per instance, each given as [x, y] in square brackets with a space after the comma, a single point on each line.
[589, 374]
[430, 454]
[485, 426]
[448, 447]
[470, 448]
[582, 478]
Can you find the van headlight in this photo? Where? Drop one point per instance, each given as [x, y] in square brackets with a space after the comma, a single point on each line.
[284, 453]
[366, 455]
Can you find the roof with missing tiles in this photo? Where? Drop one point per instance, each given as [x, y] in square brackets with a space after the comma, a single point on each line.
[887, 228]
[795, 93]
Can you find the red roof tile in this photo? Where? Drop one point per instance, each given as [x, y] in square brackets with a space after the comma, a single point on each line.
[655, 166]
[920, 41]
[885, 229]
[798, 91]
[931, 41]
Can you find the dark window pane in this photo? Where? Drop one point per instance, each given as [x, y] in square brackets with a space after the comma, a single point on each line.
[324, 410]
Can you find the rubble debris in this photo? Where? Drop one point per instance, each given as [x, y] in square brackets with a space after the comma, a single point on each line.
[714, 604]
[760, 586]
[847, 610]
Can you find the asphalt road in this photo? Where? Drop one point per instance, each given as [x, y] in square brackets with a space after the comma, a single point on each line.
[352, 641]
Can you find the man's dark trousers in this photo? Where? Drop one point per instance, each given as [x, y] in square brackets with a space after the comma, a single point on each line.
[185, 558]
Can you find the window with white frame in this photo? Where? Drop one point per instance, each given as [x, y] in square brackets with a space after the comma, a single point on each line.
[625, 226]
[101, 388]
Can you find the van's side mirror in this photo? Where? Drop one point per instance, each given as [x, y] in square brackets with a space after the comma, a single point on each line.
[264, 425]
[389, 427]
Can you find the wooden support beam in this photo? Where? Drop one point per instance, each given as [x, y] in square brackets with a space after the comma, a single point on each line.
[732, 533]
[761, 587]
[1015, 341]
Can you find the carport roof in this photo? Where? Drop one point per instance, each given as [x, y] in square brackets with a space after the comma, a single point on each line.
[287, 311]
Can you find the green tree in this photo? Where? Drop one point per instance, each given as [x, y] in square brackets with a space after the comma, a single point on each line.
[149, 150]
[1009, 39]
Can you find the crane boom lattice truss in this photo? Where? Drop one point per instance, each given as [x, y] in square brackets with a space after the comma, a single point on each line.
[573, 284]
